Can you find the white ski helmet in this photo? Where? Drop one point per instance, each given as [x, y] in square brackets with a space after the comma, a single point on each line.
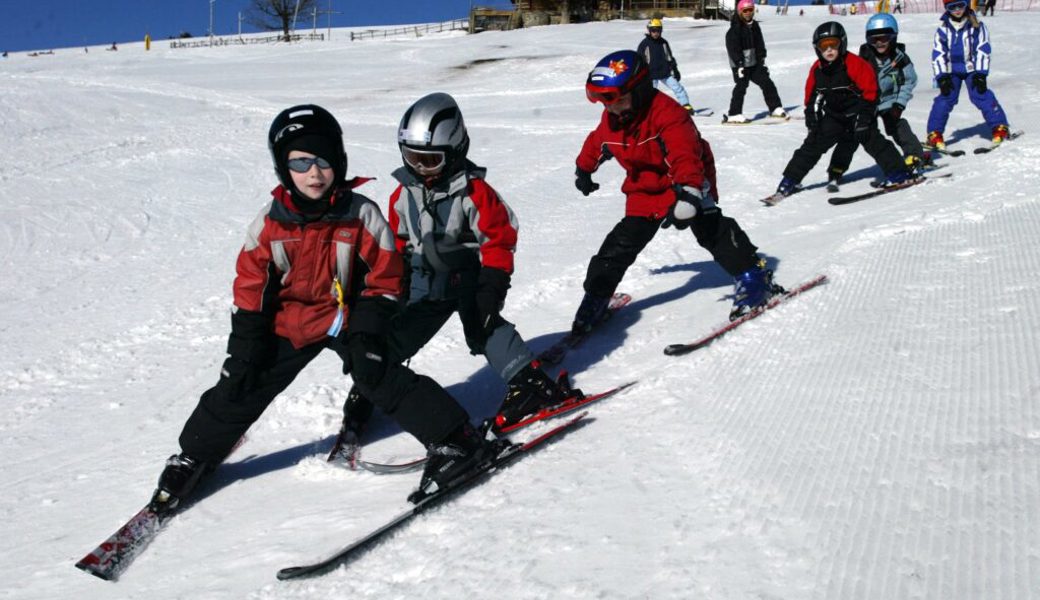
[432, 136]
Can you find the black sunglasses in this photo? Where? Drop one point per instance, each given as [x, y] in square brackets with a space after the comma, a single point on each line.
[302, 165]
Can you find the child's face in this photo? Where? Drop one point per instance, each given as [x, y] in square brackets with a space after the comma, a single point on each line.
[829, 48]
[315, 179]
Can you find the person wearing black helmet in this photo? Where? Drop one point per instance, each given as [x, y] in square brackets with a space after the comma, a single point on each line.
[318, 271]
[841, 96]
[458, 237]
[669, 182]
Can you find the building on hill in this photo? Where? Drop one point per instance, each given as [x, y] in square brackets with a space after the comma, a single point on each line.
[548, 12]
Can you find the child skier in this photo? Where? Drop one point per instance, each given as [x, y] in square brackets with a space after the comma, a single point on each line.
[458, 237]
[318, 270]
[960, 53]
[896, 79]
[670, 181]
[747, 60]
[840, 105]
[657, 54]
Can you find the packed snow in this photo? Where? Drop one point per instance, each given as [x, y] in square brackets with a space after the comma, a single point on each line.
[878, 437]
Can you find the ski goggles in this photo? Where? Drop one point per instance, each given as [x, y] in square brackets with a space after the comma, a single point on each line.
[747, 11]
[955, 6]
[880, 38]
[654, 29]
[606, 95]
[830, 43]
[302, 165]
[424, 161]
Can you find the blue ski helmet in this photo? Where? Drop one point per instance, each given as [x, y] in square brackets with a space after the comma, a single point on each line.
[882, 23]
[615, 75]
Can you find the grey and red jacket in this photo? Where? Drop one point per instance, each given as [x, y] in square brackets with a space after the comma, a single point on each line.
[450, 231]
[658, 151]
[289, 266]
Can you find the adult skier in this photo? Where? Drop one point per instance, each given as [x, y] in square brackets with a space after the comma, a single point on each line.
[896, 78]
[841, 95]
[670, 181]
[458, 237]
[318, 271]
[747, 60]
[664, 70]
[960, 53]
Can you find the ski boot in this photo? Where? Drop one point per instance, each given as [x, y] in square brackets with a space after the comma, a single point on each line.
[738, 119]
[356, 412]
[1000, 133]
[529, 391]
[935, 140]
[752, 290]
[591, 311]
[778, 113]
[689, 109]
[787, 187]
[463, 449]
[177, 481]
[833, 181]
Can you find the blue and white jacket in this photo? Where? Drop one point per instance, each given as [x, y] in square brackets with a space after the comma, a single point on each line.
[960, 47]
[895, 73]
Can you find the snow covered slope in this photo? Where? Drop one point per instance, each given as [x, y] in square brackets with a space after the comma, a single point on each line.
[877, 438]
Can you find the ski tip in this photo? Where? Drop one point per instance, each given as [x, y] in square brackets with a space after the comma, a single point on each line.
[93, 570]
[288, 573]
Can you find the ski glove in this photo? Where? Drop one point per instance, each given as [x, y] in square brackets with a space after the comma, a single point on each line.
[367, 358]
[583, 181]
[811, 123]
[978, 80]
[491, 296]
[682, 213]
[945, 84]
[896, 111]
[675, 72]
[861, 131]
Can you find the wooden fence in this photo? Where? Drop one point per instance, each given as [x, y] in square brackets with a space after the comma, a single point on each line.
[237, 41]
[416, 30]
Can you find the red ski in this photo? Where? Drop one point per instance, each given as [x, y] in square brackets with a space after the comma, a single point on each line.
[680, 349]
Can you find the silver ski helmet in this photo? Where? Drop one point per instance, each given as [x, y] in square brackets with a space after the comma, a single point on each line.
[830, 29]
[309, 128]
[432, 137]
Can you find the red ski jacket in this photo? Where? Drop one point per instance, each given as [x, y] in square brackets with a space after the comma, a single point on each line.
[289, 267]
[842, 90]
[660, 150]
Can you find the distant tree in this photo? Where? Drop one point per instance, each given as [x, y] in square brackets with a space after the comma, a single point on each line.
[272, 15]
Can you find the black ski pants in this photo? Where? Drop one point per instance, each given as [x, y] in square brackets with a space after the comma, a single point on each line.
[419, 405]
[898, 129]
[718, 234]
[832, 131]
[758, 75]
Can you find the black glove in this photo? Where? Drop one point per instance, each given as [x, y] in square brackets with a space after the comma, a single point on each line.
[811, 122]
[979, 81]
[862, 129]
[583, 181]
[682, 213]
[367, 357]
[675, 73]
[491, 296]
[945, 84]
[896, 111]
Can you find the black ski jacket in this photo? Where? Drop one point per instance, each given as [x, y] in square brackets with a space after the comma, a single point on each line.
[744, 43]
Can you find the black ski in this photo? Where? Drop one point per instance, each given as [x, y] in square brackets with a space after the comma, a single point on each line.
[509, 453]
[885, 190]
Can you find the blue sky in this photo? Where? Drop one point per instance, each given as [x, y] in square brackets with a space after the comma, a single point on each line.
[53, 24]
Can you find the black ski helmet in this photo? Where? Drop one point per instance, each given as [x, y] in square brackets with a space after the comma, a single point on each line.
[830, 29]
[434, 124]
[309, 128]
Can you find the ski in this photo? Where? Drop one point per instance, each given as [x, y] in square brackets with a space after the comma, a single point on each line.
[568, 405]
[680, 349]
[509, 453]
[555, 353]
[387, 469]
[944, 151]
[703, 112]
[992, 147]
[777, 197]
[114, 555]
[768, 120]
[885, 190]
